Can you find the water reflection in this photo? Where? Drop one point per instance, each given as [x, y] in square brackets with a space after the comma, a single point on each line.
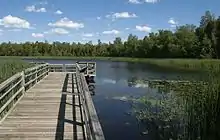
[159, 113]
[110, 81]
[137, 83]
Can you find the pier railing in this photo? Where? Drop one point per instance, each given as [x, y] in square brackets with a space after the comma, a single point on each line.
[14, 88]
[62, 67]
[93, 128]
[90, 68]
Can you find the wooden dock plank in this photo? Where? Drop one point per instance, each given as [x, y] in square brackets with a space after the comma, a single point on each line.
[49, 110]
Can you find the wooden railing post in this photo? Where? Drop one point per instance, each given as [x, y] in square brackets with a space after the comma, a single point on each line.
[48, 69]
[87, 69]
[23, 82]
[64, 68]
[36, 75]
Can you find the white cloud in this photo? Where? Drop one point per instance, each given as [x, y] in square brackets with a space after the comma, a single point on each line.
[58, 12]
[32, 8]
[151, 1]
[41, 10]
[134, 1]
[59, 31]
[122, 15]
[127, 28]
[108, 16]
[143, 28]
[172, 22]
[66, 23]
[14, 22]
[88, 35]
[98, 18]
[111, 32]
[37, 35]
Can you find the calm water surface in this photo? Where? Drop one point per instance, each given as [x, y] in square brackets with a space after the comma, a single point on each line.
[116, 82]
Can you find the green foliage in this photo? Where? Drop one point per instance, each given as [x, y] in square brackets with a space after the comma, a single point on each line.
[187, 41]
[9, 67]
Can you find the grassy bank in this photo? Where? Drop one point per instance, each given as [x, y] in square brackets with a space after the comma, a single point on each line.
[171, 64]
[9, 67]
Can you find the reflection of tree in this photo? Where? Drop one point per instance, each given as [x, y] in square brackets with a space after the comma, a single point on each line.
[132, 67]
[137, 82]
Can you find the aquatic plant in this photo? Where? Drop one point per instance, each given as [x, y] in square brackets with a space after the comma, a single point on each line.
[184, 111]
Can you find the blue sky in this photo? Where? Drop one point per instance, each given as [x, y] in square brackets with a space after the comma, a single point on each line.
[85, 20]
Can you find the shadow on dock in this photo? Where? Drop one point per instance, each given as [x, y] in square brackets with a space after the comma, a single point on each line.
[61, 116]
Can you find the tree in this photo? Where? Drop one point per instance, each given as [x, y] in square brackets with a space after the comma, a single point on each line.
[187, 41]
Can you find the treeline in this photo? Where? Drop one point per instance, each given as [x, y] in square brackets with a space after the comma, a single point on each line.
[187, 41]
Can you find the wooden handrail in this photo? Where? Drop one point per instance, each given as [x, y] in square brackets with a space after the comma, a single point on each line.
[93, 126]
[62, 67]
[89, 70]
[14, 88]
[10, 89]
[33, 76]
[8, 81]
[72, 68]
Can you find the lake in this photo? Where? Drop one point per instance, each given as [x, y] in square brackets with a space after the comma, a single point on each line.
[116, 82]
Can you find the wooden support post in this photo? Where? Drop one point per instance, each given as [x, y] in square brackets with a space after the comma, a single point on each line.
[23, 82]
[48, 69]
[64, 68]
[13, 90]
[87, 69]
[35, 76]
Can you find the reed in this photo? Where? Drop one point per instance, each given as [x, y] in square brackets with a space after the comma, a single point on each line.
[9, 67]
[184, 111]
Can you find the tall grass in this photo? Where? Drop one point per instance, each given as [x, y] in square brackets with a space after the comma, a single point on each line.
[203, 108]
[172, 64]
[9, 67]
[175, 64]
[184, 111]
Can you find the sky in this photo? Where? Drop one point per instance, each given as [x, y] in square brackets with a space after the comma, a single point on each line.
[85, 20]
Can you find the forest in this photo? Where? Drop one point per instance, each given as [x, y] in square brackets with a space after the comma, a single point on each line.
[187, 41]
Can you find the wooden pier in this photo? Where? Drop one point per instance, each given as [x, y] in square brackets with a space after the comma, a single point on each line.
[49, 102]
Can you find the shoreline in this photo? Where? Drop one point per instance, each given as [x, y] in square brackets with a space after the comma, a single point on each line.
[165, 63]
